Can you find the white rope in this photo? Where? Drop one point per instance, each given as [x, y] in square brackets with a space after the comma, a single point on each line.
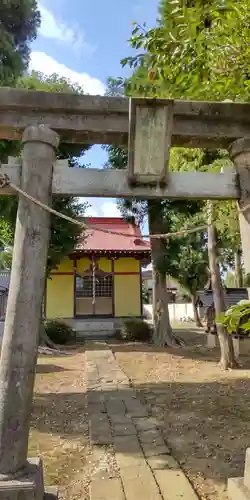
[93, 281]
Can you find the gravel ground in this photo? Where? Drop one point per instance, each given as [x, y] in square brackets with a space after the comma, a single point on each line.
[59, 427]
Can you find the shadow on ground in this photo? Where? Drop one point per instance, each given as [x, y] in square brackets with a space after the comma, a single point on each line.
[207, 426]
[49, 368]
[195, 348]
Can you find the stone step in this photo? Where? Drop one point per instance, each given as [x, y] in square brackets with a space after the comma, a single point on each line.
[239, 487]
[94, 335]
[237, 490]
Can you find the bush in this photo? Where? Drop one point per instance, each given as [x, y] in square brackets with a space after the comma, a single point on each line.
[134, 330]
[58, 332]
[236, 319]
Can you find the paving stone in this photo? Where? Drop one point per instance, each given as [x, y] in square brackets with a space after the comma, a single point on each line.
[126, 462]
[112, 397]
[109, 387]
[128, 452]
[99, 419]
[95, 397]
[161, 462]
[101, 438]
[174, 485]
[153, 449]
[123, 384]
[101, 474]
[136, 409]
[144, 424]
[145, 463]
[119, 419]
[96, 408]
[124, 429]
[129, 446]
[137, 414]
[94, 387]
[100, 430]
[116, 407]
[151, 436]
[142, 487]
[139, 470]
[106, 489]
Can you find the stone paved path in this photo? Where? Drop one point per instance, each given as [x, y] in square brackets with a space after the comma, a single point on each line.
[133, 460]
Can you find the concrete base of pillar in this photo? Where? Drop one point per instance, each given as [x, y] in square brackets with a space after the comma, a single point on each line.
[239, 487]
[51, 494]
[30, 486]
[211, 341]
[236, 344]
[237, 490]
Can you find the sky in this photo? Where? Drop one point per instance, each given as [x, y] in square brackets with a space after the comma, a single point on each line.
[84, 41]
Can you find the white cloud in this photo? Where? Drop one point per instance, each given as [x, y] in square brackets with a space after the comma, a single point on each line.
[109, 209]
[58, 30]
[39, 61]
[95, 209]
[91, 212]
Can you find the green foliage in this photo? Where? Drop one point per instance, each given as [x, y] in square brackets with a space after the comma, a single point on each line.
[145, 294]
[196, 52]
[185, 258]
[135, 330]
[6, 235]
[5, 259]
[64, 234]
[246, 280]
[20, 20]
[230, 279]
[237, 317]
[58, 332]
[117, 157]
[187, 54]
[115, 86]
[55, 83]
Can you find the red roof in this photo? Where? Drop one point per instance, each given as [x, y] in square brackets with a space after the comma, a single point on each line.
[94, 240]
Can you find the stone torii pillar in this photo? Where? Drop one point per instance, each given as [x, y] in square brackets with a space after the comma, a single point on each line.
[240, 154]
[20, 478]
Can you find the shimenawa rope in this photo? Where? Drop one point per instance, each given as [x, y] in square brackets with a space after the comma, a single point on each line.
[4, 181]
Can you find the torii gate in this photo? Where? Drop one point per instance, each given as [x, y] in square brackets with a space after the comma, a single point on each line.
[40, 119]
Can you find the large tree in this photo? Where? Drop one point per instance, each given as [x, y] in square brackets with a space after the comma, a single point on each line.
[183, 258]
[20, 20]
[189, 264]
[63, 234]
[117, 158]
[194, 52]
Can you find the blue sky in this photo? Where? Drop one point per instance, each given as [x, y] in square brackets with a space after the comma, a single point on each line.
[84, 41]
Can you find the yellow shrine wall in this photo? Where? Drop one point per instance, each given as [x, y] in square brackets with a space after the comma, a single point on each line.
[60, 291]
[127, 286]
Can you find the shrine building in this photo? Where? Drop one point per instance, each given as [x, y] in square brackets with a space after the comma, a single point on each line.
[102, 278]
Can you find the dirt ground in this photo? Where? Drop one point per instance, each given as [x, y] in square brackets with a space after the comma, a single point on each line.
[204, 413]
[59, 427]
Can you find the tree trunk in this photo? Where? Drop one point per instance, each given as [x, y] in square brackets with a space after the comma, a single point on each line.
[227, 359]
[238, 270]
[44, 340]
[195, 310]
[163, 333]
